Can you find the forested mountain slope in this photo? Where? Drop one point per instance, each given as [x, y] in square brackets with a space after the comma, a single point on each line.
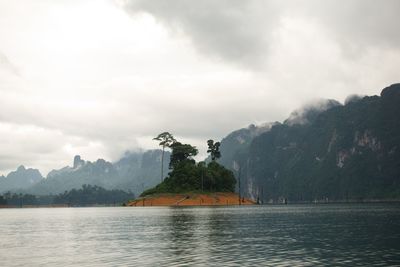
[346, 152]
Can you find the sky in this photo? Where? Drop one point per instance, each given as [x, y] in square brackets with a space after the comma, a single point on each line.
[100, 77]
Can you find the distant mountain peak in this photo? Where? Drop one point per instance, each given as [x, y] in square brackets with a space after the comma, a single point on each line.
[21, 178]
[391, 91]
[78, 162]
[21, 168]
[101, 161]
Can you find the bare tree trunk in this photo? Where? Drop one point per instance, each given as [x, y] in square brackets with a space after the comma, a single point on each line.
[162, 164]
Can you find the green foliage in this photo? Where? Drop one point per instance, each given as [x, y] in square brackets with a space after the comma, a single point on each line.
[87, 195]
[166, 139]
[218, 178]
[213, 149]
[181, 153]
[19, 199]
[3, 201]
[91, 195]
[187, 176]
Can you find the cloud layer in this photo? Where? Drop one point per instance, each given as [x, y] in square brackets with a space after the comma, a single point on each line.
[98, 78]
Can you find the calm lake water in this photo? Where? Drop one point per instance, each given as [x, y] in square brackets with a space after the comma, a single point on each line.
[292, 235]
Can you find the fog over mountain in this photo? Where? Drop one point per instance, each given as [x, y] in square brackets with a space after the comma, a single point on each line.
[308, 113]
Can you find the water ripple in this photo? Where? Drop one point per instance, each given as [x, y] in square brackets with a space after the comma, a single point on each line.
[326, 235]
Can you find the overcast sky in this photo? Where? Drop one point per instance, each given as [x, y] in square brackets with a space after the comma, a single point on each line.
[100, 77]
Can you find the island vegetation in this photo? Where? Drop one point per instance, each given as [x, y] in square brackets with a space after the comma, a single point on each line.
[187, 175]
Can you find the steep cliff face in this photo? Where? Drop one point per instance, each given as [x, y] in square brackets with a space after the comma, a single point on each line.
[345, 152]
[239, 141]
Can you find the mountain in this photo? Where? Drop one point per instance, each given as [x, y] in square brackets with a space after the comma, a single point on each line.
[20, 179]
[141, 170]
[135, 171]
[100, 173]
[342, 152]
[239, 141]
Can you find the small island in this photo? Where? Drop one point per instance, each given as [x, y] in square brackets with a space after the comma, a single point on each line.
[191, 183]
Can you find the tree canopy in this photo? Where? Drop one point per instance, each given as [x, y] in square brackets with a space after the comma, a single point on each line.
[165, 138]
[85, 196]
[213, 149]
[189, 176]
[181, 152]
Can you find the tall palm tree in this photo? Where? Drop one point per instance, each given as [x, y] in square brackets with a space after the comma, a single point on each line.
[166, 140]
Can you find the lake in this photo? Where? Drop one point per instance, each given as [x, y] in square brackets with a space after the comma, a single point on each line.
[291, 235]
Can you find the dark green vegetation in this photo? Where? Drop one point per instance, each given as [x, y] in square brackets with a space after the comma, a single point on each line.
[346, 152]
[3, 201]
[213, 149]
[85, 196]
[91, 195]
[189, 176]
[19, 200]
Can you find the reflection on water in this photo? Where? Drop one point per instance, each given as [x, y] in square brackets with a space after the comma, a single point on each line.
[339, 235]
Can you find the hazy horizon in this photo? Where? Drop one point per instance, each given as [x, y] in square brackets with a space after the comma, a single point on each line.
[98, 78]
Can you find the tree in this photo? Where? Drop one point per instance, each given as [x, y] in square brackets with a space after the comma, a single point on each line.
[213, 149]
[182, 152]
[219, 178]
[166, 140]
[91, 195]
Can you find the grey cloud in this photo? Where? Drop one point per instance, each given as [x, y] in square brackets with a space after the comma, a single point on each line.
[229, 30]
[361, 22]
[28, 145]
[241, 31]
